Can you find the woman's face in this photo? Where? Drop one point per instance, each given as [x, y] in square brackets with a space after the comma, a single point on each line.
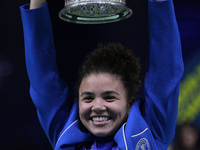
[103, 106]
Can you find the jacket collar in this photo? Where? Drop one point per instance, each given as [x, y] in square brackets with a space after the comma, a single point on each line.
[72, 135]
[133, 129]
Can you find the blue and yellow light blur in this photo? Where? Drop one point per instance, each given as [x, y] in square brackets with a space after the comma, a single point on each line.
[189, 99]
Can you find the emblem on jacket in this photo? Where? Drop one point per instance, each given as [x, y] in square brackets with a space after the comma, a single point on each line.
[143, 144]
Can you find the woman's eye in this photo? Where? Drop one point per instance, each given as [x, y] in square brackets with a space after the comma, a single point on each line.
[88, 99]
[110, 98]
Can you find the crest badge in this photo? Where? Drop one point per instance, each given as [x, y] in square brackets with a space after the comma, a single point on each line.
[143, 144]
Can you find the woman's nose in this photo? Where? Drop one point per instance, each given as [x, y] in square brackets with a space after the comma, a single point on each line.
[98, 105]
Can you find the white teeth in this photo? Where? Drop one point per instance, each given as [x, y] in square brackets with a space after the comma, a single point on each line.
[100, 119]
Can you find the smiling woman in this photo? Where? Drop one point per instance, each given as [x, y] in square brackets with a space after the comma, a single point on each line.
[107, 115]
[107, 84]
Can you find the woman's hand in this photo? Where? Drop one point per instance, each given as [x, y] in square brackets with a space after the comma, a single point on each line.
[36, 3]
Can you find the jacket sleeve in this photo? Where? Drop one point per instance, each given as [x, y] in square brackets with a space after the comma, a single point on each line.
[48, 91]
[165, 71]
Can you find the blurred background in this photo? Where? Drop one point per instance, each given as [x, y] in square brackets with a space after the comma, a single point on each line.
[19, 126]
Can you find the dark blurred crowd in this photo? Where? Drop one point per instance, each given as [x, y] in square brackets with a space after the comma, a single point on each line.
[186, 138]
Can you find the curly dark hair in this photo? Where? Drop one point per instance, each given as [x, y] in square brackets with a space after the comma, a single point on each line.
[117, 60]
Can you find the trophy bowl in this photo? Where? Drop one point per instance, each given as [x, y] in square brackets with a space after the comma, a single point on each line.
[94, 11]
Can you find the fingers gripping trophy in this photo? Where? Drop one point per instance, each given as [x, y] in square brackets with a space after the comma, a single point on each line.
[92, 11]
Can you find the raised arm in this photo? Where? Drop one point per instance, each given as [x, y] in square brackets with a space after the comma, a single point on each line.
[48, 91]
[165, 70]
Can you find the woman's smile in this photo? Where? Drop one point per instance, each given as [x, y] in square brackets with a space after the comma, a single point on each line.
[100, 119]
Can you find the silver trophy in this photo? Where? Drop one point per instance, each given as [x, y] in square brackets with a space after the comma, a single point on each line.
[94, 11]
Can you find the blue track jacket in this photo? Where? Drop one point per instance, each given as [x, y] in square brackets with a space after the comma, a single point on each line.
[151, 123]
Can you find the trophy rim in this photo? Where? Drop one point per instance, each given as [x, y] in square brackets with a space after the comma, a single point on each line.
[71, 2]
[66, 16]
